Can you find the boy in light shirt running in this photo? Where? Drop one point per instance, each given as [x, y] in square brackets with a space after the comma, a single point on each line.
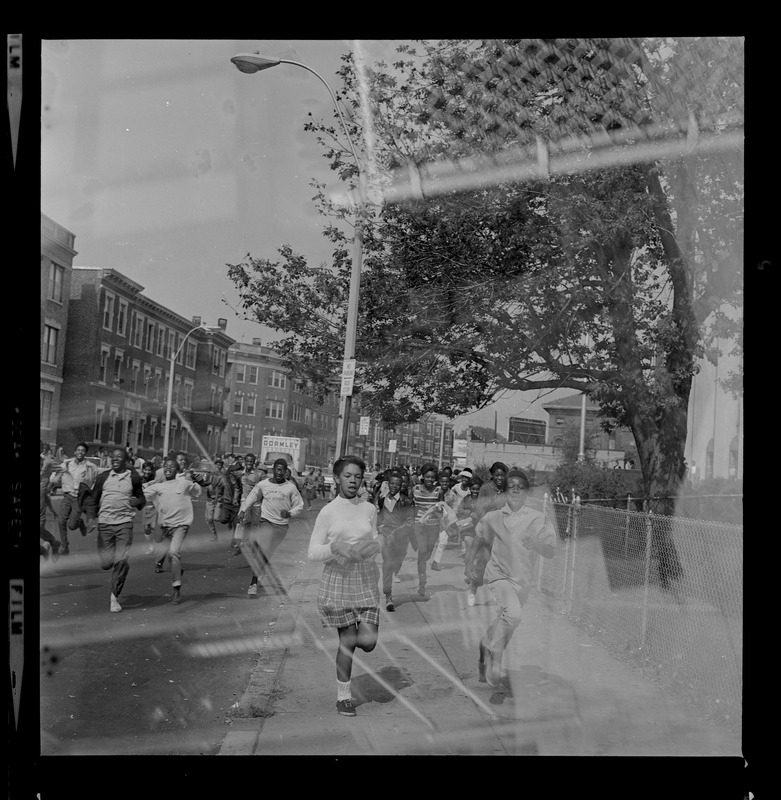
[264, 517]
[173, 500]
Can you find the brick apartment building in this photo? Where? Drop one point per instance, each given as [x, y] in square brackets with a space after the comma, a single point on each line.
[266, 401]
[57, 254]
[117, 357]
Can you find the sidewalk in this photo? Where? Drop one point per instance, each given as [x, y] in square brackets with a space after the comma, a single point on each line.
[418, 692]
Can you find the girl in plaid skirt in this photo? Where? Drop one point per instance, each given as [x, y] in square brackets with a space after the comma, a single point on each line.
[345, 537]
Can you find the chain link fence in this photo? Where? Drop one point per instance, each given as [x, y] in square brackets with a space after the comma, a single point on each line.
[664, 592]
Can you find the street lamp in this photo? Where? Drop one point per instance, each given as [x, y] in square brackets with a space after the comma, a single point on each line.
[169, 401]
[253, 62]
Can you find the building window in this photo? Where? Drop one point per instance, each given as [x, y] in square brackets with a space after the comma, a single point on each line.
[170, 346]
[219, 399]
[152, 431]
[103, 367]
[150, 336]
[238, 401]
[223, 362]
[56, 277]
[177, 389]
[138, 330]
[112, 425]
[252, 375]
[136, 372]
[296, 412]
[160, 340]
[213, 399]
[250, 410]
[240, 370]
[98, 423]
[147, 380]
[156, 395]
[247, 436]
[733, 458]
[122, 318]
[117, 366]
[526, 430]
[275, 409]
[307, 416]
[49, 344]
[188, 394]
[108, 310]
[192, 351]
[277, 379]
[559, 421]
[47, 399]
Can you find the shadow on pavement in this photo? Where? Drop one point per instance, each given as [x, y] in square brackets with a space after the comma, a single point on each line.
[368, 690]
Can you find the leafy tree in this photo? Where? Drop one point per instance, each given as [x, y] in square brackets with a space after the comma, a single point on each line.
[610, 281]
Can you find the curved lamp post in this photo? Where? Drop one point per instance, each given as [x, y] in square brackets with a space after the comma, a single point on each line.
[169, 400]
[254, 62]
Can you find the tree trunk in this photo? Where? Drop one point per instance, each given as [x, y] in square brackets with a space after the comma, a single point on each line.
[660, 448]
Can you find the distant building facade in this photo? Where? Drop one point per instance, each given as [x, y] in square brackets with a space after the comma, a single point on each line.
[565, 414]
[714, 444]
[266, 401]
[116, 371]
[57, 254]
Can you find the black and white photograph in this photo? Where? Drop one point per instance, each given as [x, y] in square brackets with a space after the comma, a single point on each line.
[391, 398]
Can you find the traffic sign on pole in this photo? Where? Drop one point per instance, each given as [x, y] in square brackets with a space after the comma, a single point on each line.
[364, 428]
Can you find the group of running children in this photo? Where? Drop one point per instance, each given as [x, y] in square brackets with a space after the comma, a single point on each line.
[500, 536]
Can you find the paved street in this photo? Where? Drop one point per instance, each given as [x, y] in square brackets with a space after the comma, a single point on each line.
[128, 682]
[226, 674]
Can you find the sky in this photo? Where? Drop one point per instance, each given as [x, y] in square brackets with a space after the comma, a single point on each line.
[167, 163]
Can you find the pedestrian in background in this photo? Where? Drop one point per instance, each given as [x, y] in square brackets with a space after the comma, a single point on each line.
[114, 499]
[173, 500]
[345, 538]
[78, 476]
[264, 518]
[516, 535]
[466, 528]
[445, 516]
[149, 511]
[46, 468]
[395, 514]
[310, 488]
[426, 495]
[212, 482]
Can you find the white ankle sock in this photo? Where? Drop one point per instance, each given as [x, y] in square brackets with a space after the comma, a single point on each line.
[343, 690]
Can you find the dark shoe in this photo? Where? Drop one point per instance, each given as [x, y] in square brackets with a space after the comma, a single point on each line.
[236, 550]
[481, 664]
[159, 566]
[55, 550]
[435, 566]
[345, 708]
[65, 551]
[389, 606]
[422, 590]
[177, 596]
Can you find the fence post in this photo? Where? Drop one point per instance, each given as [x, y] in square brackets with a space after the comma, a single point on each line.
[540, 560]
[575, 528]
[626, 526]
[647, 579]
[568, 535]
